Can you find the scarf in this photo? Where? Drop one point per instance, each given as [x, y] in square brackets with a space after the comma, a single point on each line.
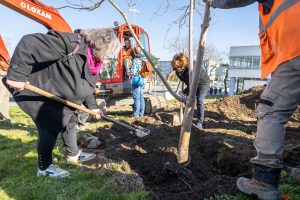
[95, 66]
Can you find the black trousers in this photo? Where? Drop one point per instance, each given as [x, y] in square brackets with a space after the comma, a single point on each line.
[47, 139]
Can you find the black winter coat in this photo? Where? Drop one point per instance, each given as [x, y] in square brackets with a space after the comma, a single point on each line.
[41, 59]
[184, 77]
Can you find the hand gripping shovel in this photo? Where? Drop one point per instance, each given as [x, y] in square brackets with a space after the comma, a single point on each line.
[140, 132]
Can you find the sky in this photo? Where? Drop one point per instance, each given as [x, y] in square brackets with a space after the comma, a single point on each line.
[234, 27]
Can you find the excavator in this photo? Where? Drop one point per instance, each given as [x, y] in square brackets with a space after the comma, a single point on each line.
[4, 55]
[114, 86]
[37, 11]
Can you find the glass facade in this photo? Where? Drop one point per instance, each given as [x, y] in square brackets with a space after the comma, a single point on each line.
[244, 62]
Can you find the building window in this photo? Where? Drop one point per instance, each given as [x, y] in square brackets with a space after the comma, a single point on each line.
[244, 62]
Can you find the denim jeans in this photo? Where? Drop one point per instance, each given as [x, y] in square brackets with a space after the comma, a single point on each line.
[139, 102]
[47, 139]
[200, 96]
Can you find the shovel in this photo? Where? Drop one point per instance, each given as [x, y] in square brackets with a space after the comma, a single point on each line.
[140, 132]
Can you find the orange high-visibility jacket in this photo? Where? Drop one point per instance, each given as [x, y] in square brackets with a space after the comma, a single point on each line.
[279, 34]
[126, 53]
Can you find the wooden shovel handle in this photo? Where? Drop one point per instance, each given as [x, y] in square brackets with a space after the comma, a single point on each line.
[58, 99]
[41, 92]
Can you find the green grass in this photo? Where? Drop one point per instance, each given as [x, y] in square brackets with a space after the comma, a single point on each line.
[18, 166]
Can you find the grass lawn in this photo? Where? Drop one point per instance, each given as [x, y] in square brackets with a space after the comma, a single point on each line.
[18, 167]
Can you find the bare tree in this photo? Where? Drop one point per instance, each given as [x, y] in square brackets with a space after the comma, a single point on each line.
[183, 146]
[226, 77]
[185, 132]
[182, 45]
[83, 5]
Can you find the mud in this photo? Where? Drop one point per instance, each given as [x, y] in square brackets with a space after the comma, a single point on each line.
[219, 153]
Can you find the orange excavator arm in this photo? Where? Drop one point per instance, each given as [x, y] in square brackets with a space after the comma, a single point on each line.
[4, 55]
[39, 12]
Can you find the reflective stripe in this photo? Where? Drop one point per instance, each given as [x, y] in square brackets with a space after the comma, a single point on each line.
[261, 26]
[285, 5]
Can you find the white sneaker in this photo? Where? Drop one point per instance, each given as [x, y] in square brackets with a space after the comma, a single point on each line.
[53, 171]
[81, 157]
[199, 125]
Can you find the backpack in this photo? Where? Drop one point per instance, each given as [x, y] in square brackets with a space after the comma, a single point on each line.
[146, 69]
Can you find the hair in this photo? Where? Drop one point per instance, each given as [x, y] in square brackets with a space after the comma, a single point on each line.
[180, 62]
[103, 41]
[127, 40]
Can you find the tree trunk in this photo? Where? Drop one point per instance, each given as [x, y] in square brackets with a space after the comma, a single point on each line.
[185, 133]
[225, 82]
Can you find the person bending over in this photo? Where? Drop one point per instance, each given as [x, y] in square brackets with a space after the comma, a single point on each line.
[66, 65]
[180, 64]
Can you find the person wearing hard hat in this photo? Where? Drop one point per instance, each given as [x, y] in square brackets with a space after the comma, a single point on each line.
[278, 30]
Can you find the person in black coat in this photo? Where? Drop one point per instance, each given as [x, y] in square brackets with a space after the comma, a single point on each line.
[180, 66]
[66, 65]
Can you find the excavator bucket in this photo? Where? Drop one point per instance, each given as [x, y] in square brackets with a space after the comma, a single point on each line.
[154, 103]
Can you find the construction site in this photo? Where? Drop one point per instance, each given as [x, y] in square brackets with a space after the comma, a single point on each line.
[220, 152]
[131, 145]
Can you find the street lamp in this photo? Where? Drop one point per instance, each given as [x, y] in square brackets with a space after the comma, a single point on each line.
[134, 11]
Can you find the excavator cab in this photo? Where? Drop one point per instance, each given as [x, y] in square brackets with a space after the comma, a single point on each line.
[114, 87]
[113, 75]
[114, 82]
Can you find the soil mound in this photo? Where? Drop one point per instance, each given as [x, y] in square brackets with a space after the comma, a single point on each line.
[238, 106]
[219, 153]
[242, 106]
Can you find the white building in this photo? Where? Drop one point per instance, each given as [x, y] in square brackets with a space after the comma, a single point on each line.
[166, 67]
[244, 68]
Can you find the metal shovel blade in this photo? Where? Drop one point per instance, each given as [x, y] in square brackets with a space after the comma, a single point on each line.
[142, 132]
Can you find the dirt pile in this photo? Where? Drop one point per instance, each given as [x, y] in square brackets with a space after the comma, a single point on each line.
[220, 153]
[239, 106]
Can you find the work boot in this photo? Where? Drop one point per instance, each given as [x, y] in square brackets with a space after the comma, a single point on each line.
[262, 190]
[53, 171]
[81, 157]
[295, 172]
